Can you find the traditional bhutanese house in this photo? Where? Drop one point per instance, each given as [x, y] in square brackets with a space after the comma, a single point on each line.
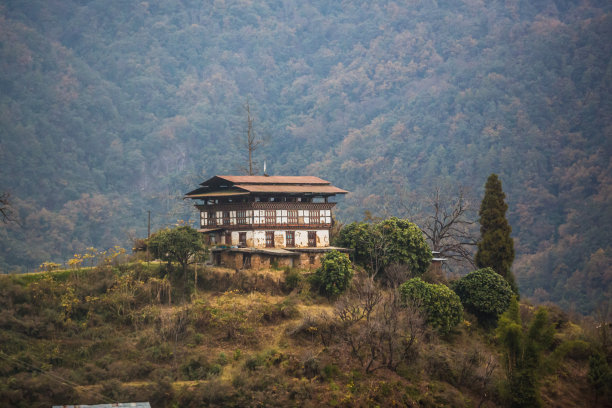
[253, 221]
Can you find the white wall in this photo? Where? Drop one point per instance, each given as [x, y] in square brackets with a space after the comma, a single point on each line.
[257, 238]
[301, 238]
[322, 238]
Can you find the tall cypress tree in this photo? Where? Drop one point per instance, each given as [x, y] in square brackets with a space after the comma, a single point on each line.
[496, 247]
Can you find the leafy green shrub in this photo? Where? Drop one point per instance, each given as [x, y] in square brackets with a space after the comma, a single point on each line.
[222, 359]
[442, 305]
[254, 362]
[311, 367]
[199, 369]
[599, 375]
[484, 293]
[292, 279]
[285, 309]
[160, 353]
[334, 275]
[330, 371]
[392, 241]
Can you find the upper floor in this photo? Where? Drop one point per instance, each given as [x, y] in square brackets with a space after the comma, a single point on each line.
[262, 202]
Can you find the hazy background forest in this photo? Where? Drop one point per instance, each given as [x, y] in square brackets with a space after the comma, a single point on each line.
[110, 108]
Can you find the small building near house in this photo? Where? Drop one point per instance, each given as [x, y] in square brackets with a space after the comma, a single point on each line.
[436, 263]
[254, 222]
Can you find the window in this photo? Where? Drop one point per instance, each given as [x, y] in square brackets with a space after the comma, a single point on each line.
[292, 217]
[242, 239]
[290, 238]
[212, 219]
[303, 217]
[312, 238]
[228, 238]
[226, 218]
[241, 217]
[270, 217]
[269, 239]
[314, 216]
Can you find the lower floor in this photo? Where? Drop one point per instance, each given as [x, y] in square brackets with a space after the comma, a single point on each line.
[255, 258]
[262, 238]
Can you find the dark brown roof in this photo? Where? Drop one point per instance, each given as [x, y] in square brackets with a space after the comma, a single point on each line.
[240, 185]
[272, 180]
[275, 188]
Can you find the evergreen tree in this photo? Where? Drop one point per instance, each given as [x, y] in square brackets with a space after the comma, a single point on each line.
[496, 247]
[522, 352]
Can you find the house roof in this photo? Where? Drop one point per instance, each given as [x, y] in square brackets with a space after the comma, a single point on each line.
[275, 188]
[269, 180]
[223, 186]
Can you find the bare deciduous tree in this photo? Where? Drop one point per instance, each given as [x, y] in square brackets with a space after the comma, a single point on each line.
[6, 210]
[253, 141]
[448, 221]
[396, 274]
[376, 327]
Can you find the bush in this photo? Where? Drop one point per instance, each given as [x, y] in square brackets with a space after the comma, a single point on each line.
[285, 309]
[484, 293]
[334, 275]
[442, 305]
[292, 279]
[254, 362]
[199, 369]
[392, 241]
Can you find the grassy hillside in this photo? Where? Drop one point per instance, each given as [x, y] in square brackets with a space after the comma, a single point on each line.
[109, 109]
[138, 332]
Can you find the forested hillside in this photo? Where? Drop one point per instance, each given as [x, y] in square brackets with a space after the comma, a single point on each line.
[111, 108]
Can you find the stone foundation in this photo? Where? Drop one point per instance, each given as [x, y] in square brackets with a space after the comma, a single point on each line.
[262, 259]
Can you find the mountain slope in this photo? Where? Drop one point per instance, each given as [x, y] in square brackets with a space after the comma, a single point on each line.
[109, 109]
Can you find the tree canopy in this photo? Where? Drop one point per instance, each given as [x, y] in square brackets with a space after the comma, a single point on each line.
[523, 349]
[388, 242]
[496, 246]
[441, 305]
[334, 275]
[180, 244]
[484, 293]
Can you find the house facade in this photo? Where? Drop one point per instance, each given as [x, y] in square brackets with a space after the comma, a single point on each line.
[258, 221]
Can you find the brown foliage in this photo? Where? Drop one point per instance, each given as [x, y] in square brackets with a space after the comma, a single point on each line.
[375, 327]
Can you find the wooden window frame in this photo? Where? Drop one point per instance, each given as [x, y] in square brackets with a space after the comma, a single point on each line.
[292, 217]
[312, 239]
[241, 217]
[290, 239]
[269, 239]
[242, 240]
[270, 217]
[315, 216]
